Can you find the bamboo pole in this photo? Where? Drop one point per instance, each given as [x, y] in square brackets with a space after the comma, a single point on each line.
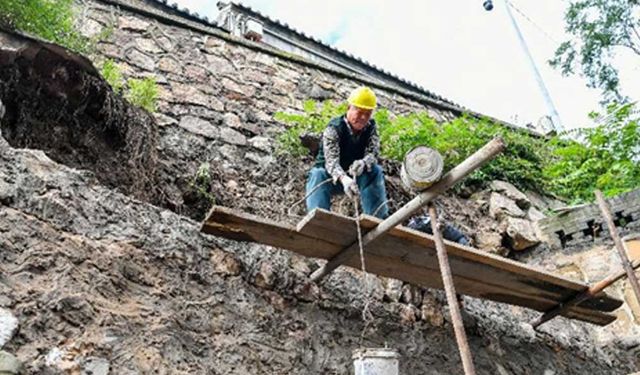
[450, 290]
[583, 296]
[633, 280]
[473, 162]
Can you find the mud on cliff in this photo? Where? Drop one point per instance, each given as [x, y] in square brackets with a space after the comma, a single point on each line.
[58, 103]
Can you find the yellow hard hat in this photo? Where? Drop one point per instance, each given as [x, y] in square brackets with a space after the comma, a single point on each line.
[363, 97]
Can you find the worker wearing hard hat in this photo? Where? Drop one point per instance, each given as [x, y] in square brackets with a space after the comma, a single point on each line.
[349, 155]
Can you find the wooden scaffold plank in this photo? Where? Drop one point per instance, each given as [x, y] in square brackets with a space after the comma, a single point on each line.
[409, 255]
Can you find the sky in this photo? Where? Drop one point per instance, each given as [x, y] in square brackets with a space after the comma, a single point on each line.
[455, 49]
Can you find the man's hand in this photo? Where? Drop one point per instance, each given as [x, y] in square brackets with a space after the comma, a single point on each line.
[350, 187]
[357, 168]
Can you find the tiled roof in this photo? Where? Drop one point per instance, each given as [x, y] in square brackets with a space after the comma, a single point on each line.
[184, 12]
[372, 66]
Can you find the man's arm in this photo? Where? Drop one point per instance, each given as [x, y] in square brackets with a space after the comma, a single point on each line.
[372, 152]
[331, 148]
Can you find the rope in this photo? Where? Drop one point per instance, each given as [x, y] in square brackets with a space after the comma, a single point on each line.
[307, 196]
[549, 36]
[367, 316]
[380, 206]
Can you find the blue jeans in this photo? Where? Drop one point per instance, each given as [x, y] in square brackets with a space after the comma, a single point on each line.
[371, 185]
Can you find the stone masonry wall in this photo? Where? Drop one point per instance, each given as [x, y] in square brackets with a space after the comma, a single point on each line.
[584, 250]
[218, 95]
[218, 89]
[574, 227]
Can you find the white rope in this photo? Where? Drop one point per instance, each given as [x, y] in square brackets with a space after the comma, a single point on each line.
[296, 203]
[543, 31]
[367, 316]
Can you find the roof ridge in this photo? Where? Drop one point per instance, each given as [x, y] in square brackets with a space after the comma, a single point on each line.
[351, 56]
[418, 91]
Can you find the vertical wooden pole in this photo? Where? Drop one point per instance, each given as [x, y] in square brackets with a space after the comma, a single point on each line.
[454, 308]
[633, 280]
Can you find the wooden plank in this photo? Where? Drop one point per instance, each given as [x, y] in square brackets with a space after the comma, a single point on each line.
[225, 222]
[314, 222]
[480, 277]
[501, 270]
[245, 227]
[497, 284]
[390, 267]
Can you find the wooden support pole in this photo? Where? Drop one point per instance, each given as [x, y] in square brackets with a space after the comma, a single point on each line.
[450, 291]
[473, 162]
[583, 296]
[633, 280]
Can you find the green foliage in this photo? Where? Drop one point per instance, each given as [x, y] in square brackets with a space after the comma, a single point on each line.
[520, 164]
[52, 20]
[112, 74]
[598, 28]
[603, 158]
[201, 183]
[140, 92]
[455, 140]
[313, 119]
[143, 93]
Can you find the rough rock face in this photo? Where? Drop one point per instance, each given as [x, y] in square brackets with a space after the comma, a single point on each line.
[520, 233]
[58, 103]
[98, 279]
[512, 193]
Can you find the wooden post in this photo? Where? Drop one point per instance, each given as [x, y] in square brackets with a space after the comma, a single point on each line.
[473, 162]
[633, 280]
[450, 290]
[587, 294]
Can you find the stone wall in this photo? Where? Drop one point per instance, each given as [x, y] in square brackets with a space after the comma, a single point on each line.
[581, 248]
[218, 95]
[102, 283]
[584, 224]
[206, 75]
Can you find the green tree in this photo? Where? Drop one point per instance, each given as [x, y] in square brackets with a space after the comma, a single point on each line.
[599, 28]
[605, 158]
[53, 20]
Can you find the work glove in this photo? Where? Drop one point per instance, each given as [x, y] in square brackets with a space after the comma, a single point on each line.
[350, 187]
[357, 168]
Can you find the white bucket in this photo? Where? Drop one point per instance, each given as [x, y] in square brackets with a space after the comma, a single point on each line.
[376, 361]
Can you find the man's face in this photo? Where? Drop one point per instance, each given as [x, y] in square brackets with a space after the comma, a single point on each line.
[358, 118]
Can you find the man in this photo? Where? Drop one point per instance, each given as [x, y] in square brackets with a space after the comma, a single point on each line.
[349, 155]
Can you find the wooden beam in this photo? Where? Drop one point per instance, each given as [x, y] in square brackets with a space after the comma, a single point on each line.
[633, 280]
[589, 293]
[409, 255]
[412, 257]
[450, 291]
